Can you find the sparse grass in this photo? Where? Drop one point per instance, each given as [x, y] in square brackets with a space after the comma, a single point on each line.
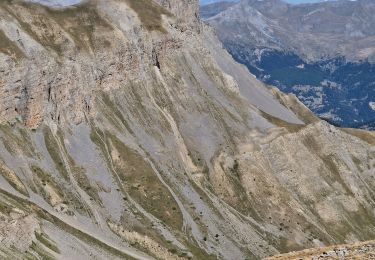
[149, 13]
[292, 128]
[53, 150]
[47, 37]
[28, 206]
[11, 253]
[80, 22]
[199, 253]
[46, 241]
[48, 25]
[84, 182]
[55, 153]
[16, 139]
[293, 104]
[112, 109]
[9, 47]
[40, 251]
[5, 208]
[42, 179]
[12, 178]
[7, 202]
[363, 250]
[331, 164]
[139, 179]
[143, 185]
[367, 136]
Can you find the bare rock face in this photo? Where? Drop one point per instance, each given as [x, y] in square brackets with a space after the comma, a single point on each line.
[128, 132]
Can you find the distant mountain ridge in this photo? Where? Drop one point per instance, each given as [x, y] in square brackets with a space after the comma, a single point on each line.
[214, 9]
[324, 53]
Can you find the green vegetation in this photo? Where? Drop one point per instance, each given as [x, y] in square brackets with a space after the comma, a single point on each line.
[149, 13]
[46, 241]
[16, 139]
[12, 178]
[142, 184]
[29, 206]
[366, 136]
[40, 251]
[11, 253]
[9, 47]
[138, 179]
[41, 179]
[84, 182]
[5, 208]
[53, 150]
[293, 104]
[198, 253]
[46, 38]
[80, 22]
[291, 76]
[333, 173]
[112, 112]
[292, 128]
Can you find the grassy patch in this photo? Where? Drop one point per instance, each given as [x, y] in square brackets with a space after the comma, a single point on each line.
[139, 179]
[199, 253]
[40, 251]
[28, 206]
[366, 136]
[149, 13]
[48, 25]
[9, 47]
[293, 104]
[16, 140]
[143, 185]
[47, 37]
[5, 208]
[46, 241]
[53, 150]
[292, 128]
[80, 22]
[331, 163]
[84, 182]
[112, 110]
[12, 178]
[42, 179]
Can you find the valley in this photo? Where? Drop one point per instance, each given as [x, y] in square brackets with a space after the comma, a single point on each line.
[322, 53]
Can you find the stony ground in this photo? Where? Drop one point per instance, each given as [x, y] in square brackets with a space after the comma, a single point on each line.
[364, 250]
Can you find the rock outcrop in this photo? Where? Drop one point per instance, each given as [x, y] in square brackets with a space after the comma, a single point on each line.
[364, 250]
[128, 132]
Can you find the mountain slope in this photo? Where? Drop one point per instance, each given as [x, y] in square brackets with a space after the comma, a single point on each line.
[323, 52]
[128, 132]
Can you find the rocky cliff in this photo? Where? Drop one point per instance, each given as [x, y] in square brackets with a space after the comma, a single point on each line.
[128, 132]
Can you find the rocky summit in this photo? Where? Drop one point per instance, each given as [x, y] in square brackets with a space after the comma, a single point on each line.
[128, 132]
